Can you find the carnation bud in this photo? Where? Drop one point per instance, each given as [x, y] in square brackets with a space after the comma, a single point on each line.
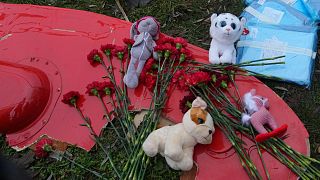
[120, 55]
[47, 148]
[214, 78]
[189, 104]
[73, 101]
[97, 58]
[182, 57]
[178, 46]
[167, 54]
[94, 91]
[224, 84]
[160, 54]
[107, 52]
[154, 66]
[107, 91]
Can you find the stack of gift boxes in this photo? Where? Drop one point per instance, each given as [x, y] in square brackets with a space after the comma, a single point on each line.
[281, 28]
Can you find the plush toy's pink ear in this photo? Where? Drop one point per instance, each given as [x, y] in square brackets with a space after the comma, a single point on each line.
[199, 103]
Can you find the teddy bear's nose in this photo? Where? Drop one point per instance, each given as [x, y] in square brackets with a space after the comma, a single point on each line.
[210, 132]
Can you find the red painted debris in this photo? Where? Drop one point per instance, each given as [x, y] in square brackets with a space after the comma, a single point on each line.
[43, 53]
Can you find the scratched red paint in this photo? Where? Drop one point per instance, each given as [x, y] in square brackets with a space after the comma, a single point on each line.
[47, 47]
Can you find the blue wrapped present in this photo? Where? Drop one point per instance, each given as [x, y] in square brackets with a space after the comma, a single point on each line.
[278, 12]
[297, 4]
[313, 7]
[296, 43]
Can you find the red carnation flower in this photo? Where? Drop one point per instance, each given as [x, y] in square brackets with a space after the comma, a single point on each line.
[169, 50]
[107, 49]
[186, 103]
[43, 148]
[129, 42]
[93, 88]
[165, 40]
[142, 76]
[119, 52]
[168, 47]
[179, 79]
[158, 48]
[71, 98]
[180, 42]
[151, 65]
[150, 81]
[222, 81]
[95, 57]
[106, 88]
[198, 77]
[185, 54]
[100, 88]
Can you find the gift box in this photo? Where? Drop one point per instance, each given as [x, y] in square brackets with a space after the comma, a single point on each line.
[297, 4]
[277, 12]
[296, 43]
[313, 8]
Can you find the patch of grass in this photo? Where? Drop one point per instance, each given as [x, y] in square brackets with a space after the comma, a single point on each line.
[189, 19]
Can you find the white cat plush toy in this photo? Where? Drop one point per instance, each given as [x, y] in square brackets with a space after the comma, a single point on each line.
[176, 143]
[225, 30]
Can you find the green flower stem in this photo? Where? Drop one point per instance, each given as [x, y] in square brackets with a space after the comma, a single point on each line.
[122, 73]
[137, 162]
[229, 132]
[97, 140]
[221, 106]
[288, 161]
[143, 166]
[275, 153]
[260, 155]
[113, 127]
[82, 167]
[118, 114]
[127, 64]
[263, 64]
[121, 99]
[260, 60]
[300, 159]
[287, 150]
[246, 63]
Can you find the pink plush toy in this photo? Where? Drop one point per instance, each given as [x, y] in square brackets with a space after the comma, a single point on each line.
[258, 115]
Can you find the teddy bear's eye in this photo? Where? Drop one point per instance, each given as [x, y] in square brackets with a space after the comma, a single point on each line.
[234, 26]
[200, 121]
[223, 23]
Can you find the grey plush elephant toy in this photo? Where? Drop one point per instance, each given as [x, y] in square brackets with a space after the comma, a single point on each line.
[145, 31]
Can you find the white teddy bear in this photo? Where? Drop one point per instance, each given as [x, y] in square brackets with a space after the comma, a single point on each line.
[225, 30]
[176, 143]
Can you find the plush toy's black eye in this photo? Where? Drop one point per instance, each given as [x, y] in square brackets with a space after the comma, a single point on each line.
[200, 121]
[223, 23]
[234, 26]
